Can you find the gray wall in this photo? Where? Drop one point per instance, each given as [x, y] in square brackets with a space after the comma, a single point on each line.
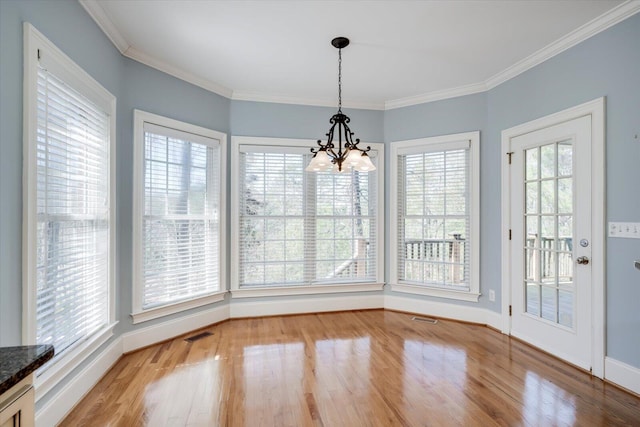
[605, 65]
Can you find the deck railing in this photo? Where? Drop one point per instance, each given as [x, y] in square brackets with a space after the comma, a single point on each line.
[448, 252]
[547, 257]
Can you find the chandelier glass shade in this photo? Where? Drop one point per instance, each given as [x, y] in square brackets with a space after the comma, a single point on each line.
[341, 152]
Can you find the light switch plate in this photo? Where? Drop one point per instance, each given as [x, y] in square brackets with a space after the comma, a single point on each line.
[629, 230]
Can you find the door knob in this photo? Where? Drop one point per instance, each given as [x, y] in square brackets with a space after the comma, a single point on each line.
[583, 260]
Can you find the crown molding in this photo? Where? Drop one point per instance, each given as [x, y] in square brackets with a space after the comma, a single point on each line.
[591, 28]
[101, 18]
[580, 34]
[435, 96]
[177, 72]
[318, 102]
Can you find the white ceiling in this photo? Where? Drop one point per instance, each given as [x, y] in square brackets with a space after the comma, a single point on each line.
[401, 52]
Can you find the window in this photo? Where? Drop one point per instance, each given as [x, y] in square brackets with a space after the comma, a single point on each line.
[303, 232]
[435, 216]
[178, 216]
[69, 232]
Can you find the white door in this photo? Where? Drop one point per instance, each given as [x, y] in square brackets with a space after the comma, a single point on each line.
[552, 239]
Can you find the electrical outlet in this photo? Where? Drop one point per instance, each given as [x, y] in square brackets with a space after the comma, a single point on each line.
[492, 295]
[629, 230]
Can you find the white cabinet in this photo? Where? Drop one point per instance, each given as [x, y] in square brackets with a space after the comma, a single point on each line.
[17, 406]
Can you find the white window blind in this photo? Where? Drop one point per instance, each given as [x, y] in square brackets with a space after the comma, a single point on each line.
[73, 211]
[299, 228]
[434, 222]
[181, 216]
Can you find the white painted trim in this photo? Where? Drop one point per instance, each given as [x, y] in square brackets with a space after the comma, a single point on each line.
[95, 10]
[596, 109]
[29, 179]
[442, 142]
[435, 292]
[444, 310]
[139, 119]
[55, 371]
[166, 310]
[317, 102]
[494, 319]
[178, 72]
[580, 34]
[54, 411]
[285, 306]
[505, 198]
[169, 329]
[590, 29]
[306, 290]
[624, 375]
[438, 95]
[598, 240]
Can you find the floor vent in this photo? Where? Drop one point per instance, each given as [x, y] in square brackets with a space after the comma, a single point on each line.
[425, 319]
[198, 337]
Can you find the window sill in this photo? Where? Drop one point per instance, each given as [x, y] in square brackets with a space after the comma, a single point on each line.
[436, 292]
[51, 374]
[305, 290]
[166, 310]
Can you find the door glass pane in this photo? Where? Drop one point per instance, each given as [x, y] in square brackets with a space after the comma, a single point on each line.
[548, 240]
[533, 299]
[532, 197]
[532, 163]
[565, 159]
[547, 196]
[548, 229]
[549, 308]
[532, 231]
[565, 195]
[547, 161]
[565, 308]
[531, 272]
[548, 267]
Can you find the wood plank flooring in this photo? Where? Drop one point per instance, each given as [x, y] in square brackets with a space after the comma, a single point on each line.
[361, 368]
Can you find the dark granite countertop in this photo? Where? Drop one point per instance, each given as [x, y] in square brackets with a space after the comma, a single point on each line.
[17, 363]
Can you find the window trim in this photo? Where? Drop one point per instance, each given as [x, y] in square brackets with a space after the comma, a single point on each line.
[34, 42]
[431, 144]
[139, 314]
[236, 292]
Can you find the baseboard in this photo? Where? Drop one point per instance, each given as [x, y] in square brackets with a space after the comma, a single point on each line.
[463, 313]
[150, 335]
[54, 411]
[621, 374]
[282, 306]
[494, 319]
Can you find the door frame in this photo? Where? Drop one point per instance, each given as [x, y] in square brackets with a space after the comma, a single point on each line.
[595, 109]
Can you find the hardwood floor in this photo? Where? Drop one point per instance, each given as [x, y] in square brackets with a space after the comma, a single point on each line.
[362, 368]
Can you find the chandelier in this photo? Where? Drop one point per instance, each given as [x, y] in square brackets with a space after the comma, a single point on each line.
[346, 155]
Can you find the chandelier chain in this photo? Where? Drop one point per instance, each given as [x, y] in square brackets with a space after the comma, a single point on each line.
[340, 80]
